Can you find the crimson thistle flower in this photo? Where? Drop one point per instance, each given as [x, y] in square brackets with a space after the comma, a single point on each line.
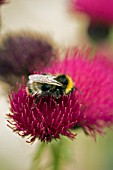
[50, 119]
[94, 78]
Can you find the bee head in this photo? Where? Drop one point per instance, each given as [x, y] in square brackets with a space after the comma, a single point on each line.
[66, 81]
[62, 79]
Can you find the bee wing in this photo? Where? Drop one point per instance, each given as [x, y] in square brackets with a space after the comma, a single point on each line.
[48, 79]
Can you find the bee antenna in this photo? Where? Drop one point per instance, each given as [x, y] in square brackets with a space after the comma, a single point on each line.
[78, 90]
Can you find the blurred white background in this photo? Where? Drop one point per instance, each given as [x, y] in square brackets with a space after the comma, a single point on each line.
[45, 16]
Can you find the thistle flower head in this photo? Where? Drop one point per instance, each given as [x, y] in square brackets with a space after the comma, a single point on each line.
[94, 78]
[21, 53]
[48, 120]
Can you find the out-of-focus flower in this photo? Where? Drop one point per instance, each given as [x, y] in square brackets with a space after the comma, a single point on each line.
[22, 52]
[100, 13]
[48, 120]
[94, 78]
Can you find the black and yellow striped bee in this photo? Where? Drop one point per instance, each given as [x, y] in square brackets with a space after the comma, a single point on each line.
[48, 84]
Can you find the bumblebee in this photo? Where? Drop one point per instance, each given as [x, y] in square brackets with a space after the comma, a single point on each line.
[48, 84]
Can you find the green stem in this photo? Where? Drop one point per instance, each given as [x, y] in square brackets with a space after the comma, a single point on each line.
[56, 154]
[38, 155]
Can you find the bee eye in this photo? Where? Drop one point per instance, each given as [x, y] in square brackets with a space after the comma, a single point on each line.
[46, 87]
[62, 79]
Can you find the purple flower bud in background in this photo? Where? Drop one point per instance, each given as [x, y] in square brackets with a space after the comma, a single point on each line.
[22, 52]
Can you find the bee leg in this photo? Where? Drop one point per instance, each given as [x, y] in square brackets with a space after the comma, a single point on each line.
[34, 103]
[36, 100]
[42, 95]
[57, 93]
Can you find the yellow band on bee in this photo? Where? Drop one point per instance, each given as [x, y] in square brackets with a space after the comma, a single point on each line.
[70, 84]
